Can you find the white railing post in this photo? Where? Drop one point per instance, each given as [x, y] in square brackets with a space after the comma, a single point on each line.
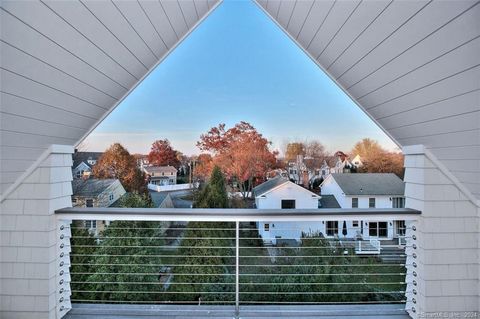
[411, 279]
[63, 278]
[237, 269]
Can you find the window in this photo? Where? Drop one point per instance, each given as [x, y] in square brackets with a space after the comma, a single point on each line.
[79, 174]
[398, 202]
[266, 227]
[355, 202]
[90, 224]
[288, 203]
[332, 228]
[401, 227]
[89, 202]
[355, 223]
[371, 202]
[74, 201]
[110, 198]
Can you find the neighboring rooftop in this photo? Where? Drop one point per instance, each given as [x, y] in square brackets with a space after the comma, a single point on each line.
[329, 201]
[370, 184]
[269, 185]
[91, 187]
[86, 157]
[159, 169]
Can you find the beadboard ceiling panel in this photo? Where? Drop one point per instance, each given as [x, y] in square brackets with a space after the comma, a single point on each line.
[66, 64]
[412, 66]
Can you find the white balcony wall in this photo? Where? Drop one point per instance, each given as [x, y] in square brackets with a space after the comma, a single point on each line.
[447, 231]
[28, 242]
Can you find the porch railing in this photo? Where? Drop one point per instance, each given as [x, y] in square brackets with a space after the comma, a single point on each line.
[216, 257]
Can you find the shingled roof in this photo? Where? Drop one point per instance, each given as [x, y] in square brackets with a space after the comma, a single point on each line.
[79, 157]
[269, 185]
[91, 187]
[370, 184]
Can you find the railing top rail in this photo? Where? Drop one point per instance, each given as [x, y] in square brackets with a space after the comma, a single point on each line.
[212, 214]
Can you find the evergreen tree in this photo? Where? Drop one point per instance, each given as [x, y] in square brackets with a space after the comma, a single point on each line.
[214, 194]
[206, 257]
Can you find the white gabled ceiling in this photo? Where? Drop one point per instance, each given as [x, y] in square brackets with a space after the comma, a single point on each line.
[413, 66]
[66, 64]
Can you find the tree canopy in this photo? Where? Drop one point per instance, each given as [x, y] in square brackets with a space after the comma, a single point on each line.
[163, 154]
[241, 152]
[116, 162]
[376, 159]
[294, 149]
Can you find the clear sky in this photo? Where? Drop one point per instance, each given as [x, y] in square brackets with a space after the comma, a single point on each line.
[237, 65]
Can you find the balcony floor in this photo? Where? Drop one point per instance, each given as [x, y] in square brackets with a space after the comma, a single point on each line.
[107, 311]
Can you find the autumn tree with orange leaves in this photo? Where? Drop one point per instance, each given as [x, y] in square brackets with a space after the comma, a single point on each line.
[203, 166]
[241, 152]
[163, 154]
[376, 159]
[116, 162]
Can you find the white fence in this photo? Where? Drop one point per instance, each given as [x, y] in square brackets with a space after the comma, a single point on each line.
[170, 188]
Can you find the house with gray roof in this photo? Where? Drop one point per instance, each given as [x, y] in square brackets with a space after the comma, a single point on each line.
[281, 193]
[366, 190]
[93, 192]
[83, 163]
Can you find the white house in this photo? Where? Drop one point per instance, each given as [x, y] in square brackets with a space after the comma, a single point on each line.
[366, 190]
[83, 163]
[161, 175]
[280, 193]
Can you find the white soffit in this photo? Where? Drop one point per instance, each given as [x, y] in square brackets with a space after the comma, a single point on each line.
[412, 66]
[66, 64]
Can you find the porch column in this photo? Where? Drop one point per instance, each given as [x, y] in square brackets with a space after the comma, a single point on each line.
[447, 241]
[28, 237]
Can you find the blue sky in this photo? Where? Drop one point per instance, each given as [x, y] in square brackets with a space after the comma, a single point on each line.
[237, 65]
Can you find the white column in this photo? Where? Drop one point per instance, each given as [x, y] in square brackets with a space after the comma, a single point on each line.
[447, 239]
[28, 237]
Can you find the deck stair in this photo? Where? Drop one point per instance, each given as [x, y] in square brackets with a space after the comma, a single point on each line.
[393, 255]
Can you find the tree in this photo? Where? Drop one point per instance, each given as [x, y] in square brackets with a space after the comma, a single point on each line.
[162, 154]
[293, 150]
[367, 148]
[316, 153]
[116, 162]
[134, 200]
[204, 166]
[387, 162]
[214, 194]
[241, 152]
[376, 159]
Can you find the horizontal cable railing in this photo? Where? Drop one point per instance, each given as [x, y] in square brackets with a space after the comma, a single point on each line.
[214, 257]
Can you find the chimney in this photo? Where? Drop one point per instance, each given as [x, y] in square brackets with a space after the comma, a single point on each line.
[305, 179]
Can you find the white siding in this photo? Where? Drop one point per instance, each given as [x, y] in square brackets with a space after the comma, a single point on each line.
[28, 230]
[303, 198]
[447, 239]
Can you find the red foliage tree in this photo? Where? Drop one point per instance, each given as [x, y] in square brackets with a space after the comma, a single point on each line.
[116, 162]
[204, 166]
[163, 154]
[241, 152]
